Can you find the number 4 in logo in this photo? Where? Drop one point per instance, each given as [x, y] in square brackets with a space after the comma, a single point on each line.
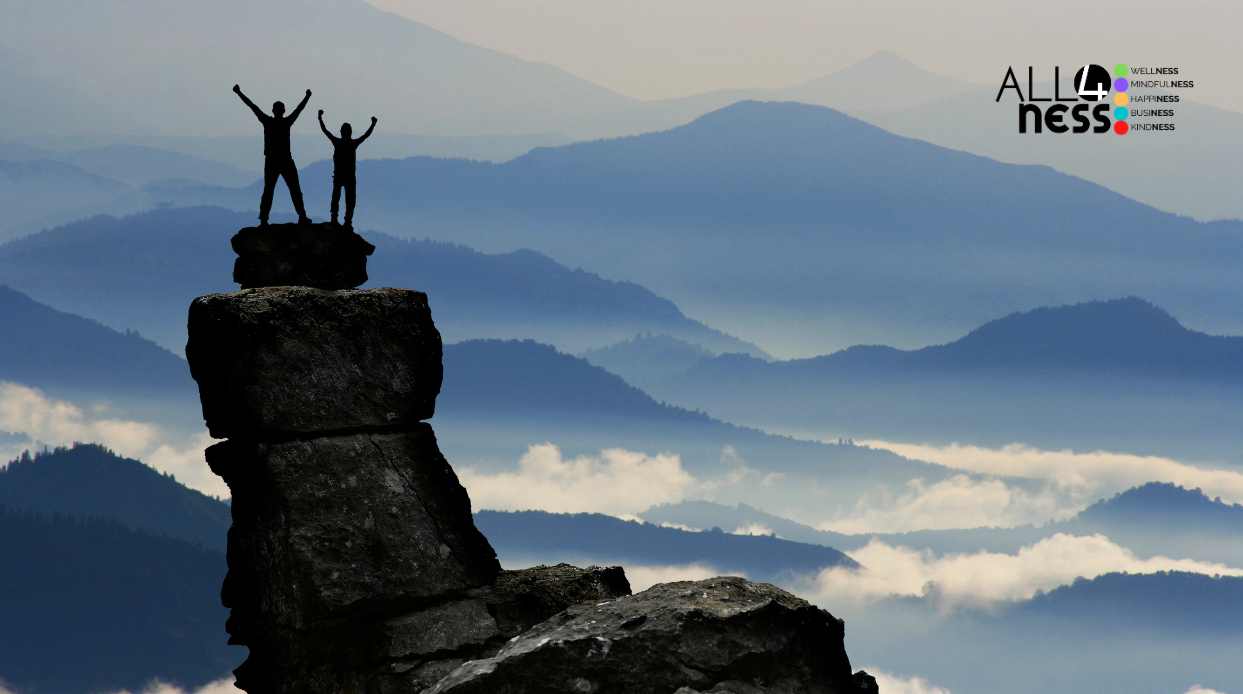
[1092, 82]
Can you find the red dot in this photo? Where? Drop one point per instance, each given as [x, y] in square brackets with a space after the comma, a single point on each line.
[1121, 127]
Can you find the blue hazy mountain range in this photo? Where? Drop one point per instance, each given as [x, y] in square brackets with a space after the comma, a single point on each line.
[89, 480]
[77, 359]
[1162, 625]
[806, 230]
[1153, 519]
[447, 86]
[1120, 374]
[44, 187]
[123, 565]
[501, 396]
[1162, 632]
[141, 165]
[648, 359]
[92, 268]
[130, 606]
[592, 538]
[450, 87]
[1182, 170]
[417, 78]
[40, 193]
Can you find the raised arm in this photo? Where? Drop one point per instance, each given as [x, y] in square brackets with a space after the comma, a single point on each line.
[258, 113]
[368, 133]
[327, 132]
[301, 105]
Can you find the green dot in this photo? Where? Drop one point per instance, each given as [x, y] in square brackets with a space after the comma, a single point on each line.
[1122, 70]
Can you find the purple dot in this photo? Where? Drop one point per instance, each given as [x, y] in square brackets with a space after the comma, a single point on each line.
[1121, 84]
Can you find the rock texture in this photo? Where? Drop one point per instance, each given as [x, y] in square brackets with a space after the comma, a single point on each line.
[324, 256]
[428, 644]
[294, 361]
[344, 521]
[354, 562]
[718, 635]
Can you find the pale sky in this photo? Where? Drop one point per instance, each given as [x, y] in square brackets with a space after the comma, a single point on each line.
[663, 48]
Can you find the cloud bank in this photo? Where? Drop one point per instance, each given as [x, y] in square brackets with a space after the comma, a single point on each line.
[49, 422]
[614, 481]
[957, 502]
[982, 579]
[1094, 473]
[896, 684]
[223, 686]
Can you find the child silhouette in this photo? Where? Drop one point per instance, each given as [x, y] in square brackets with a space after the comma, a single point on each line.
[344, 158]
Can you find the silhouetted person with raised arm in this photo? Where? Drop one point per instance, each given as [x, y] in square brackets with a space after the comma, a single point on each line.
[277, 154]
[344, 159]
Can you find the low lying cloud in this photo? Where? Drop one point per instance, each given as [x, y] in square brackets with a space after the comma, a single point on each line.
[614, 481]
[49, 422]
[896, 684]
[224, 686]
[958, 502]
[754, 529]
[643, 577]
[1197, 689]
[1077, 473]
[984, 578]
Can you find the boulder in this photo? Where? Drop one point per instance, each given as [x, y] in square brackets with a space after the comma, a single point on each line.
[424, 645]
[717, 635]
[408, 653]
[295, 361]
[521, 599]
[339, 525]
[324, 256]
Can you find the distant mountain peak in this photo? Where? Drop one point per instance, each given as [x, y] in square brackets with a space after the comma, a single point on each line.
[887, 59]
[1157, 497]
[1096, 324]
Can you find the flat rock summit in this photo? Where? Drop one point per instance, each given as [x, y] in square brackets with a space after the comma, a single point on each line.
[324, 256]
[354, 562]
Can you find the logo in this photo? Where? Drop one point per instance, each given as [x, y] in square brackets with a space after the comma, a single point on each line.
[1095, 100]
[1081, 110]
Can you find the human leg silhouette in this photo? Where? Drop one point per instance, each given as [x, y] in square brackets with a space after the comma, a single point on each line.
[289, 171]
[271, 172]
[336, 198]
[351, 188]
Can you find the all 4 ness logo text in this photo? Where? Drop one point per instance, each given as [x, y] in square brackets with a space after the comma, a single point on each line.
[1083, 106]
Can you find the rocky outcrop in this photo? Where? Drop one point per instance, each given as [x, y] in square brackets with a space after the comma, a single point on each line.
[354, 562]
[324, 256]
[427, 644]
[294, 361]
[718, 635]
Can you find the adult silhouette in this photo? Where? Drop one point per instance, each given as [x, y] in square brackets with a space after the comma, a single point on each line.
[344, 161]
[277, 154]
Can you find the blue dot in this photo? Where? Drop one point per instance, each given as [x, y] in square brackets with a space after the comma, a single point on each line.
[1121, 112]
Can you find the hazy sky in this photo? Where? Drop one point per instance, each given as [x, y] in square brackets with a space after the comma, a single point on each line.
[662, 48]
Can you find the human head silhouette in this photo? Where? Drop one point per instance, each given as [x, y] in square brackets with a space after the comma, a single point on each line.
[278, 109]
[346, 130]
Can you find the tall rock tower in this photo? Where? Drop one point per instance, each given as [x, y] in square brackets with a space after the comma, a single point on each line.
[354, 563]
